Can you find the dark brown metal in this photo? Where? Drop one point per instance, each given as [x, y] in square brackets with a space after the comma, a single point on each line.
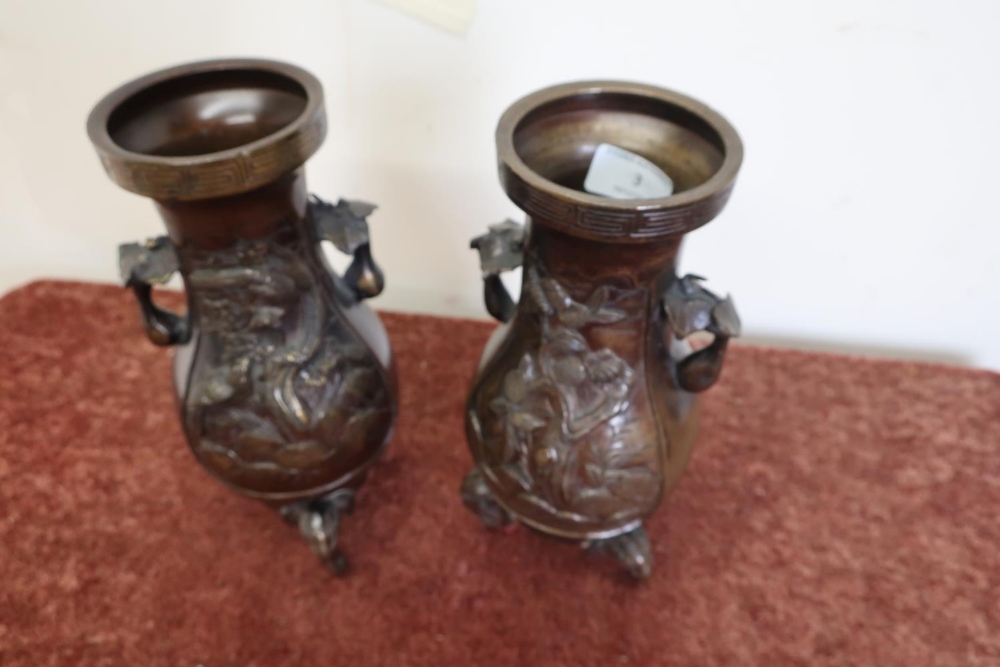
[285, 380]
[580, 419]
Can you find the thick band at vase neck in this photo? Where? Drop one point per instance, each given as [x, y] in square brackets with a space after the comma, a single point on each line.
[217, 223]
[546, 140]
[209, 129]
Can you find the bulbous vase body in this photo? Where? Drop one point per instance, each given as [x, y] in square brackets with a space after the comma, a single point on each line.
[582, 415]
[285, 381]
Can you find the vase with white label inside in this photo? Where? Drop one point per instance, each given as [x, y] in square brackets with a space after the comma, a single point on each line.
[583, 411]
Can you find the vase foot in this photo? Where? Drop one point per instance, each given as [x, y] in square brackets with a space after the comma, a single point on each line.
[480, 501]
[631, 549]
[319, 523]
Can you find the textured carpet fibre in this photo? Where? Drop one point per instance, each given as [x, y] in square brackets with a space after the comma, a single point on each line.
[837, 512]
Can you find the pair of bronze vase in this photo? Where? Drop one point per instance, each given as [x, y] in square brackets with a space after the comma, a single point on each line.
[580, 417]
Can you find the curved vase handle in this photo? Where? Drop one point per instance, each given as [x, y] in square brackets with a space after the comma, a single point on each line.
[345, 226]
[500, 249]
[143, 265]
[690, 308]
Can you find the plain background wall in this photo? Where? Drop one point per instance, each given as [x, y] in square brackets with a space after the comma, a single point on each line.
[864, 219]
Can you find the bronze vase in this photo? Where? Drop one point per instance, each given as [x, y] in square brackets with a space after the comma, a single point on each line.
[285, 380]
[582, 413]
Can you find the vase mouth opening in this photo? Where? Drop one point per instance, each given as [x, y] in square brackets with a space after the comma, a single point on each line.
[206, 112]
[547, 141]
[209, 129]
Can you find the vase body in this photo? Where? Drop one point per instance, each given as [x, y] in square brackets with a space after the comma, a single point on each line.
[285, 381]
[286, 386]
[575, 416]
[581, 415]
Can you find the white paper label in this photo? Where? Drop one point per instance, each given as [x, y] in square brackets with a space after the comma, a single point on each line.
[619, 174]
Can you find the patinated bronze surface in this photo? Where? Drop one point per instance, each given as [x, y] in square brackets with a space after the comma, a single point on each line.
[285, 380]
[580, 418]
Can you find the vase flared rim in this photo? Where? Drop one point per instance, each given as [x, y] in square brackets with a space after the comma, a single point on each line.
[616, 220]
[216, 173]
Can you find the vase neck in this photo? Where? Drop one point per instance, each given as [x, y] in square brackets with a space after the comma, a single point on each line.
[213, 224]
[575, 261]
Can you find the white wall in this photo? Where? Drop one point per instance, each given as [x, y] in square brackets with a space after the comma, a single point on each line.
[865, 216]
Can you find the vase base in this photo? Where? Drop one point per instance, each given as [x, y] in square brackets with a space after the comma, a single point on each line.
[631, 549]
[479, 499]
[319, 523]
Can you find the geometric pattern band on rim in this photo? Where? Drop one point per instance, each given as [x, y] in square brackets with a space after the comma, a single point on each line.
[218, 174]
[614, 220]
[596, 224]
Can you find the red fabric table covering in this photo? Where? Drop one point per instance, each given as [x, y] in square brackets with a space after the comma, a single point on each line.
[837, 511]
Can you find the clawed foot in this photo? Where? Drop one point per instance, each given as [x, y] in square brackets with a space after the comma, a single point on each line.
[480, 501]
[319, 523]
[631, 549]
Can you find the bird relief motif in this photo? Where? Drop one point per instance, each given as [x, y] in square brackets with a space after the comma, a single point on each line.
[283, 387]
[559, 427]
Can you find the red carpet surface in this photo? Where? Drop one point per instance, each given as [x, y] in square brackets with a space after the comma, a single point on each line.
[837, 511]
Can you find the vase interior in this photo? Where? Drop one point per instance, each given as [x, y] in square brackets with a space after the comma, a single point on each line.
[557, 140]
[206, 112]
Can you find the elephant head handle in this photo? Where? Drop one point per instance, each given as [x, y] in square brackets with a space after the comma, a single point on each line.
[143, 265]
[690, 308]
[500, 249]
[345, 225]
